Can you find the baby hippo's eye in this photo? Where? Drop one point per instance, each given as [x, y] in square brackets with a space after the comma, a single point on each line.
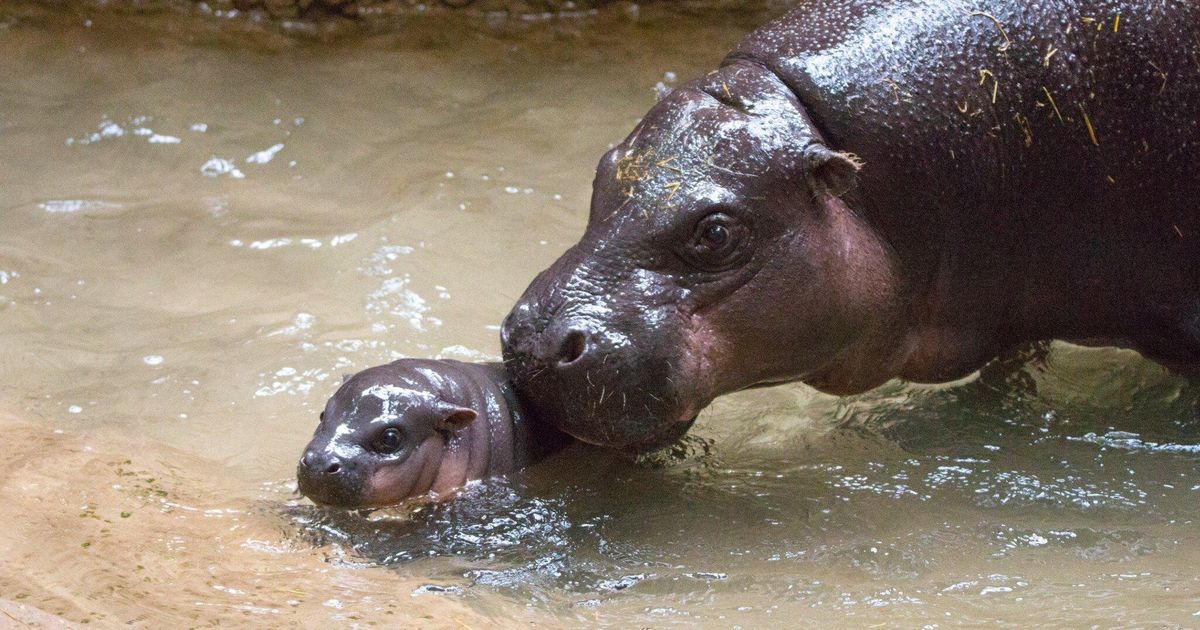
[388, 441]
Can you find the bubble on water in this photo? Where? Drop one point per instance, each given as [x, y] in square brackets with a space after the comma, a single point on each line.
[106, 129]
[379, 264]
[623, 582]
[159, 138]
[72, 206]
[153, 359]
[291, 381]
[705, 575]
[436, 589]
[270, 243]
[394, 298]
[216, 167]
[1128, 441]
[266, 155]
[74, 409]
[199, 127]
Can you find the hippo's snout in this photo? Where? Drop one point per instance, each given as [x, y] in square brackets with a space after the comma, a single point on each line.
[606, 374]
[559, 345]
[327, 479]
[315, 462]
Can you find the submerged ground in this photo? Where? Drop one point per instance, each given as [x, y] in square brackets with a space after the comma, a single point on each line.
[204, 223]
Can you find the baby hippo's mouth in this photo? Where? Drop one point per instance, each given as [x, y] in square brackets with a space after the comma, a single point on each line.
[328, 484]
[322, 492]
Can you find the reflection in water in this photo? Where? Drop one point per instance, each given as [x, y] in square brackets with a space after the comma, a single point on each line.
[203, 225]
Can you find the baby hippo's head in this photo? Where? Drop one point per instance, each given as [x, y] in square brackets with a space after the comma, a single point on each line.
[392, 432]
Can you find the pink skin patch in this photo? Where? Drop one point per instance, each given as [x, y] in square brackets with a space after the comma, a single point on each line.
[703, 343]
[391, 484]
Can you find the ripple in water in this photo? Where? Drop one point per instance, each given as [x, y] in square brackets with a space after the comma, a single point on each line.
[791, 519]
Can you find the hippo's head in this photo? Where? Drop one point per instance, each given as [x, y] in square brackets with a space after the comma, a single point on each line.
[718, 255]
[382, 436]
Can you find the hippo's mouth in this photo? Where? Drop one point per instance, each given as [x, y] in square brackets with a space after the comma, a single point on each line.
[336, 491]
[665, 436]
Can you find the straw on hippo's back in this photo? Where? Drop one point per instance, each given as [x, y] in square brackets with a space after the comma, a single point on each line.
[418, 426]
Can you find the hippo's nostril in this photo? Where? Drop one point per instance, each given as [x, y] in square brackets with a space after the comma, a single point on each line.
[317, 463]
[573, 347]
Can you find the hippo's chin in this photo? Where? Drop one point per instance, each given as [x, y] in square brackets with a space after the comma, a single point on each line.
[664, 437]
[334, 495]
[661, 437]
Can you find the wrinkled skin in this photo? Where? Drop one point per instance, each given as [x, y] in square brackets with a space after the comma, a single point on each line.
[870, 189]
[416, 427]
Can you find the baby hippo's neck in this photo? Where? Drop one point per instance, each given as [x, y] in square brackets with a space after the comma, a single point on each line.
[503, 437]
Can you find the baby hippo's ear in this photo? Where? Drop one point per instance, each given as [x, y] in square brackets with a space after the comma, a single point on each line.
[453, 418]
[830, 172]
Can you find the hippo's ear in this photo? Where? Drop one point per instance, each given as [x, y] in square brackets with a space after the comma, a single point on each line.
[830, 172]
[453, 418]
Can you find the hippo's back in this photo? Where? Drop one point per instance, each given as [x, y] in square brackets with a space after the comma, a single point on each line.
[1013, 136]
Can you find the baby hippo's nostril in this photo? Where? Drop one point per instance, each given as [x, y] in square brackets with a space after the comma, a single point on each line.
[314, 462]
[573, 347]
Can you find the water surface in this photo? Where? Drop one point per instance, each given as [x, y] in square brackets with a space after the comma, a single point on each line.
[204, 223]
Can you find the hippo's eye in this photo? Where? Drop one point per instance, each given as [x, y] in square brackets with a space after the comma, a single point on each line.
[715, 240]
[388, 441]
[715, 235]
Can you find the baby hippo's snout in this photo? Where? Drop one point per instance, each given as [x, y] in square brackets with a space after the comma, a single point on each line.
[323, 478]
[417, 427]
[315, 463]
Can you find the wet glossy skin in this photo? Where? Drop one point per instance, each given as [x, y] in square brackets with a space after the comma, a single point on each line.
[414, 427]
[878, 189]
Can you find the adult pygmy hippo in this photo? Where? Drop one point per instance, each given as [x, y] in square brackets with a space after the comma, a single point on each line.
[869, 189]
[419, 426]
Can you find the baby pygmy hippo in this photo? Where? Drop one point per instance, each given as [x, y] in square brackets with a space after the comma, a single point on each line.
[416, 426]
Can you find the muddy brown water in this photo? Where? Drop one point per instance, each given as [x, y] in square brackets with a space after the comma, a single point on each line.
[203, 224]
